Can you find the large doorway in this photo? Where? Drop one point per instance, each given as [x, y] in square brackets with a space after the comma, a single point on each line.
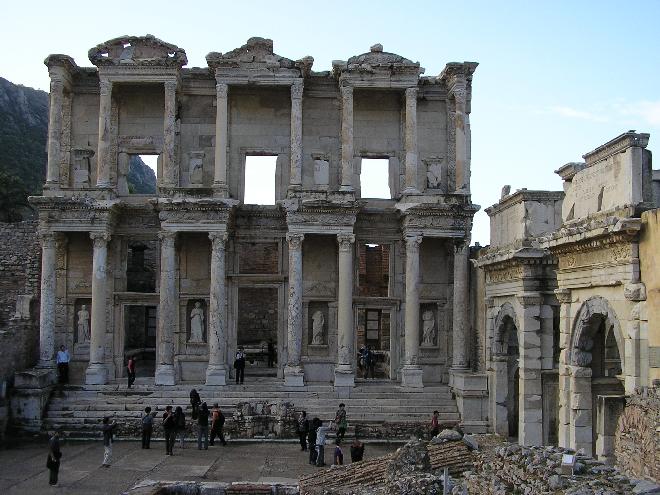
[140, 325]
[257, 329]
[373, 332]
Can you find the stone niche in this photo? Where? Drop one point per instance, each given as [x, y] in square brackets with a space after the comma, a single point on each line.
[82, 167]
[318, 319]
[81, 332]
[429, 326]
[321, 172]
[197, 322]
[196, 168]
[437, 175]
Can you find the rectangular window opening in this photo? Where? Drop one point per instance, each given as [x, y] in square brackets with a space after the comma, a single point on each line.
[374, 178]
[142, 173]
[260, 180]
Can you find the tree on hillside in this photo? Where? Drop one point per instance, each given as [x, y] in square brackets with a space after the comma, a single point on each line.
[13, 198]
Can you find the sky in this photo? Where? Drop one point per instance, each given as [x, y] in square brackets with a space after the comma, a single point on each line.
[555, 80]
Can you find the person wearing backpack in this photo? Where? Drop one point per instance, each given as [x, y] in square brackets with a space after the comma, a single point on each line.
[217, 424]
[203, 426]
[195, 402]
[169, 427]
[180, 425]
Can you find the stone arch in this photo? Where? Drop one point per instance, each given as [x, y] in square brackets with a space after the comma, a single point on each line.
[501, 327]
[594, 308]
[505, 368]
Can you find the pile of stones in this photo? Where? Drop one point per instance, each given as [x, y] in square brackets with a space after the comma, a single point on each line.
[261, 419]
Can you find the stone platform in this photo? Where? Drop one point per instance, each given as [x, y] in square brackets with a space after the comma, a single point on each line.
[263, 407]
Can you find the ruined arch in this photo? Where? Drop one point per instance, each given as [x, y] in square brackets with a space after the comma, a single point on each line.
[505, 366]
[502, 326]
[594, 310]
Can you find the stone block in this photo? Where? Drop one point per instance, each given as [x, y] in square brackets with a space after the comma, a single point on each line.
[581, 401]
[635, 292]
[35, 378]
[164, 375]
[294, 377]
[344, 379]
[411, 377]
[216, 375]
[583, 417]
[581, 435]
[97, 374]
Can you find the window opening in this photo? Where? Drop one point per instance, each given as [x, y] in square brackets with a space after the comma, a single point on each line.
[374, 178]
[142, 173]
[260, 180]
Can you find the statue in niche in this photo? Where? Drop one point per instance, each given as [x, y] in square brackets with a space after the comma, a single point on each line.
[428, 329]
[83, 325]
[197, 324]
[196, 168]
[318, 321]
[434, 175]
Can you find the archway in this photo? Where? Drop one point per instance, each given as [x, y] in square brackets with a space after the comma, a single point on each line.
[506, 357]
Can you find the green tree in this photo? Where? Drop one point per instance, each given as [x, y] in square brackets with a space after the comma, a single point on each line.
[13, 198]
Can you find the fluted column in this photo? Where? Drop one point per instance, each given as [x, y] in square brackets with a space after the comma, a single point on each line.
[411, 374]
[411, 141]
[346, 138]
[54, 131]
[97, 371]
[460, 326]
[105, 135]
[461, 123]
[295, 181]
[167, 310]
[344, 372]
[221, 120]
[216, 371]
[293, 372]
[47, 301]
[169, 136]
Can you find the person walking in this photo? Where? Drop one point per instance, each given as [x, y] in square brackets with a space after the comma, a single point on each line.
[369, 362]
[203, 426]
[130, 369]
[303, 429]
[63, 359]
[180, 425]
[311, 439]
[217, 424]
[54, 456]
[341, 422]
[195, 401]
[435, 424]
[321, 433]
[357, 450]
[108, 431]
[169, 427]
[147, 427]
[239, 365]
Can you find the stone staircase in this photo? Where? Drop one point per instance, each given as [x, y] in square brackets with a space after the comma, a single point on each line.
[375, 408]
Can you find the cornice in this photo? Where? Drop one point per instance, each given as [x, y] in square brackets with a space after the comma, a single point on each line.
[524, 195]
[620, 143]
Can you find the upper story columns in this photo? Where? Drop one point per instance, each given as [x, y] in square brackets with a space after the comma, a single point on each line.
[346, 92]
[411, 140]
[221, 139]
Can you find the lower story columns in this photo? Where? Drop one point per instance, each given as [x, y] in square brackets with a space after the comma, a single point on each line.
[344, 372]
[216, 371]
[293, 372]
[167, 310]
[97, 371]
[411, 374]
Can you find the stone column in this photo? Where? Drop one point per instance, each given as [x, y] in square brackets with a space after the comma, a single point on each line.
[346, 138]
[564, 420]
[411, 374]
[461, 321]
[54, 131]
[295, 181]
[344, 373]
[167, 310]
[169, 137]
[293, 372]
[47, 301]
[459, 92]
[97, 371]
[216, 371]
[103, 157]
[411, 141]
[221, 140]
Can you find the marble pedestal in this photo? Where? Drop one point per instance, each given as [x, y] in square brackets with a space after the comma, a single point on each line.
[164, 374]
[344, 378]
[216, 375]
[294, 376]
[411, 377]
[96, 374]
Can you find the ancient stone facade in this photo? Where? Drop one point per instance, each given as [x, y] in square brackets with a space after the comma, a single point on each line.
[187, 275]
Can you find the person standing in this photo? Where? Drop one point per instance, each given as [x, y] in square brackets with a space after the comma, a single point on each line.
[217, 424]
[341, 422]
[321, 433]
[195, 402]
[435, 424]
[54, 456]
[180, 425]
[108, 431]
[311, 440]
[271, 354]
[239, 365]
[303, 429]
[63, 359]
[339, 455]
[357, 450]
[203, 426]
[169, 427]
[371, 365]
[147, 427]
[130, 368]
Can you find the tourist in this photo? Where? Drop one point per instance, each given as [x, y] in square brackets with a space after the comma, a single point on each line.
[147, 427]
[341, 422]
[239, 365]
[360, 361]
[271, 354]
[311, 439]
[63, 359]
[435, 424]
[180, 425]
[54, 456]
[130, 368]
[357, 450]
[195, 401]
[169, 427]
[321, 433]
[203, 426]
[217, 424]
[369, 360]
[303, 429]
[339, 455]
[108, 431]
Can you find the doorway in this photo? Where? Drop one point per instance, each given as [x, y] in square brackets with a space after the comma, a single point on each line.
[257, 330]
[373, 332]
[140, 325]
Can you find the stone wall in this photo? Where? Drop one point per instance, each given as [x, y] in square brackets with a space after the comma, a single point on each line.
[649, 260]
[637, 445]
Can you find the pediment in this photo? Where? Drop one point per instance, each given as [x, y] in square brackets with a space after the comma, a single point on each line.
[137, 50]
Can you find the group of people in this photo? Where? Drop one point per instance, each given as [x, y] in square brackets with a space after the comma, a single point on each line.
[313, 434]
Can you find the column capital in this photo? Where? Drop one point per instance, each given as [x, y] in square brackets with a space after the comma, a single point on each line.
[412, 92]
[221, 90]
[527, 299]
[167, 237]
[170, 85]
[459, 92]
[461, 245]
[48, 238]
[100, 239]
[57, 86]
[218, 239]
[295, 240]
[345, 241]
[297, 89]
[413, 241]
[346, 91]
[563, 295]
[105, 87]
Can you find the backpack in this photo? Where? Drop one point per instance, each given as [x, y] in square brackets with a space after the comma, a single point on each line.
[181, 421]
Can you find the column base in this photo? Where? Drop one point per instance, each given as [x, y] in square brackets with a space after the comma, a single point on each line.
[164, 374]
[346, 189]
[411, 377]
[294, 376]
[344, 377]
[96, 374]
[220, 190]
[410, 190]
[216, 375]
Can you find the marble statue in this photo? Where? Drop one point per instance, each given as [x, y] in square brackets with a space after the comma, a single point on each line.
[428, 329]
[434, 176]
[83, 324]
[318, 321]
[197, 324]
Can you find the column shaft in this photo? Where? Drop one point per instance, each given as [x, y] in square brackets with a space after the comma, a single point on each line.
[346, 138]
[411, 141]
[411, 375]
[105, 134]
[169, 136]
[167, 310]
[293, 373]
[216, 372]
[221, 120]
[344, 373]
[54, 131]
[47, 301]
[460, 322]
[295, 181]
[97, 371]
[462, 153]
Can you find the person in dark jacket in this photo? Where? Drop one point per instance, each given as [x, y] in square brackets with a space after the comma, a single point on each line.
[195, 402]
[311, 440]
[239, 366]
[147, 427]
[203, 426]
[108, 431]
[180, 425]
[130, 369]
[303, 429]
[169, 427]
[357, 450]
[54, 456]
[218, 423]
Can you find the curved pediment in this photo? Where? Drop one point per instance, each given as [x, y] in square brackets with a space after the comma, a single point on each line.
[377, 57]
[137, 50]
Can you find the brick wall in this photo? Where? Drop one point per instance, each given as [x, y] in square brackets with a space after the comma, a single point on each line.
[258, 257]
[257, 315]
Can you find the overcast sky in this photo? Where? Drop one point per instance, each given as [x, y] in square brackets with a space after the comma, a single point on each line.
[555, 79]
